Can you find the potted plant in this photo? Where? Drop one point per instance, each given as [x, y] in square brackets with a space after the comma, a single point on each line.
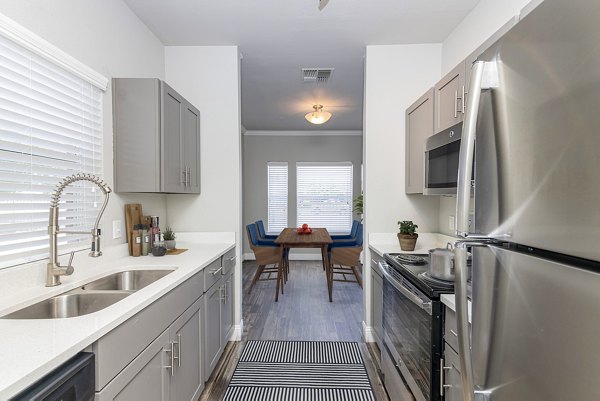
[169, 237]
[358, 206]
[407, 235]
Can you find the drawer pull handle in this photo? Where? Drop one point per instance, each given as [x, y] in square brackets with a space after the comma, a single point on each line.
[217, 271]
[172, 353]
[453, 333]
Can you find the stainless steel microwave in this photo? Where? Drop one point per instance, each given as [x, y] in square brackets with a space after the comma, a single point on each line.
[441, 161]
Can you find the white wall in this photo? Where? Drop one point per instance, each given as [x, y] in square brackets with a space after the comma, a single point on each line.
[395, 76]
[209, 77]
[485, 19]
[109, 38]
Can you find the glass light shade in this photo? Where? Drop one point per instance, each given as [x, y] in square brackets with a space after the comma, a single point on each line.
[318, 116]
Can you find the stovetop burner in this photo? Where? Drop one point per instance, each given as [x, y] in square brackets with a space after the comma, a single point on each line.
[411, 259]
[425, 276]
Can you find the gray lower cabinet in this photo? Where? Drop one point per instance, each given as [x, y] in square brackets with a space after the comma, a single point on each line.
[169, 368]
[452, 382]
[218, 309]
[156, 138]
[377, 300]
[419, 126]
[187, 380]
[212, 329]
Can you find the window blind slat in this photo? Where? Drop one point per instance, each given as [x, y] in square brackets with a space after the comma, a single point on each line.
[50, 127]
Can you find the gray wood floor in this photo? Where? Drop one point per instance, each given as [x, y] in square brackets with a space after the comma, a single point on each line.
[303, 313]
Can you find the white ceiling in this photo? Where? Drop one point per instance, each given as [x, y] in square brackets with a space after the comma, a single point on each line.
[279, 37]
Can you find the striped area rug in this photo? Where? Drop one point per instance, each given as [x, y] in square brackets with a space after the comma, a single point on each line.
[300, 370]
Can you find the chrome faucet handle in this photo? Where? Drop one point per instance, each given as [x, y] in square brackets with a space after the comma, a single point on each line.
[69, 268]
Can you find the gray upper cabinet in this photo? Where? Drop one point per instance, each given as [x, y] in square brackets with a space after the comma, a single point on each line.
[156, 138]
[419, 126]
[448, 103]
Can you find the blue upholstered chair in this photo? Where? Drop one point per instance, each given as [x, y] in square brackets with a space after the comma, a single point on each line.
[346, 255]
[266, 253]
[352, 235]
[261, 231]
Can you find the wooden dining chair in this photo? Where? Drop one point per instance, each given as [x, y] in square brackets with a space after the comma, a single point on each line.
[262, 234]
[266, 253]
[345, 258]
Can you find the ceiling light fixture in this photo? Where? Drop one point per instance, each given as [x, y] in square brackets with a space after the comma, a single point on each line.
[318, 116]
[322, 4]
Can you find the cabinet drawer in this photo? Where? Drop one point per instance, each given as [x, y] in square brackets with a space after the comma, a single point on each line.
[228, 261]
[212, 274]
[118, 348]
[450, 331]
[452, 382]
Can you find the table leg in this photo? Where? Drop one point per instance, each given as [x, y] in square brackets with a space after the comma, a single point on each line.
[279, 271]
[327, 271]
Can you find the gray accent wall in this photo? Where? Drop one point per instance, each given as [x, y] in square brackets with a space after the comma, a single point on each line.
[258, 150]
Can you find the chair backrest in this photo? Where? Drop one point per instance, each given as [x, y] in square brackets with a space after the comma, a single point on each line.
[261, 228]
[359, 235]
[355, 224]
[252, 234]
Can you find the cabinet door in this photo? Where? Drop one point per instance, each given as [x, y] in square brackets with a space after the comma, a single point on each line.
[377, 306]
[227, 310]
[191, 147]
[173, 177]
[187, 382]
[448, 103]
[452, 380]
[419, 126]
[146, 378]
[212, 327]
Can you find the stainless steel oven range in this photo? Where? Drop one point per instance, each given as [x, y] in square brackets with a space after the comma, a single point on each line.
[412, 328]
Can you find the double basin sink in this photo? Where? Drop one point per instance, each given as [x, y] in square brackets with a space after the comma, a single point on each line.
[91, 297]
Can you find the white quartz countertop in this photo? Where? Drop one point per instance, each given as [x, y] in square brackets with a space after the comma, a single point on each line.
[450, 301]
[30, 349]
[381, 243]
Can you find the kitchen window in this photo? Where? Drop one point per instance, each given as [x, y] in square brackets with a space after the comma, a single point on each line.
[50, 127]
[324, 195]
[277, 175]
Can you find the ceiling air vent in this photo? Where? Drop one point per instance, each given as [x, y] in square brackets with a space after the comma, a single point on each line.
[320, 75]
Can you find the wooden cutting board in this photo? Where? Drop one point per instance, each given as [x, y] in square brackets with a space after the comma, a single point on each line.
[133, 216]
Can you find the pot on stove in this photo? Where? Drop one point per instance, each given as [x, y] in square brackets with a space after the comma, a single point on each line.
[441, 263]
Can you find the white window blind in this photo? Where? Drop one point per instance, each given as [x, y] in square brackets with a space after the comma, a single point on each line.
[278, 196]
[324, 195]
[50, 127]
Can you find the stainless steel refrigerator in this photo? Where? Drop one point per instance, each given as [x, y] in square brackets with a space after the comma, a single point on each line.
[533, 128]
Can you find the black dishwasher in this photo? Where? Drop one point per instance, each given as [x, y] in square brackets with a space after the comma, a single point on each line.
[72, 381]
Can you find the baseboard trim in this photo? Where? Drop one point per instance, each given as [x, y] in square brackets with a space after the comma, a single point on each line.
[236, 334]
[369, 333]
[293, 256]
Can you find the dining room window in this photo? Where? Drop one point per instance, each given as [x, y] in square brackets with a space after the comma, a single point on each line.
[50, 127]
[277, 176]
[324, 195]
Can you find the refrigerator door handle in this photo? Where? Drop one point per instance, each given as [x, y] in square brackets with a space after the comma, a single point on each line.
[484, 75]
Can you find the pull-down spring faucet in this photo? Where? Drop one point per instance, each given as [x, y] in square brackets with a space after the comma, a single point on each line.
[55, 270]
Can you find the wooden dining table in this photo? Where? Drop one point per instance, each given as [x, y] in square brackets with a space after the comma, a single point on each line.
[319, 238]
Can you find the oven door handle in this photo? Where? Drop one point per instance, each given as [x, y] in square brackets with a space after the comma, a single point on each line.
[415, 299]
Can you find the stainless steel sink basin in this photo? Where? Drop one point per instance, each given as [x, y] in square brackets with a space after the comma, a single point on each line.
[70, 304]
[131, 280]
[91, 297]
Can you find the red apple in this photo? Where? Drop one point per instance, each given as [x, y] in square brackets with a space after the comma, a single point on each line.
[299, 230]
[304, 226]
